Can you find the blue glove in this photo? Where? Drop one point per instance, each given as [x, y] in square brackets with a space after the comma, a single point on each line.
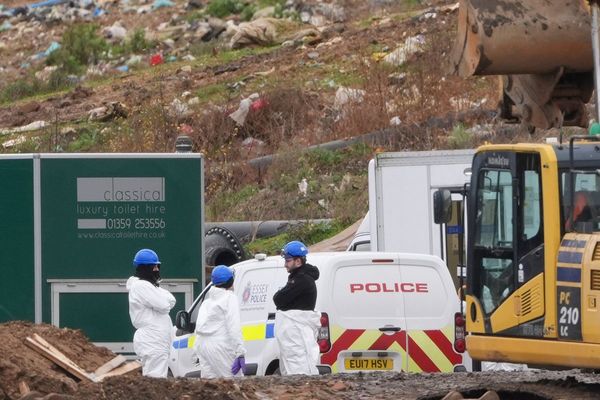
[238, 364]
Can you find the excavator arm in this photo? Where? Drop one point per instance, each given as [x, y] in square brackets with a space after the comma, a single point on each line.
[541, 48]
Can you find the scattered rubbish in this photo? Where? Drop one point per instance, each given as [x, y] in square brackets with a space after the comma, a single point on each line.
[122, 68]
[269, 31]
[186, 129]
[395, 121]
[109, 111]
[47, 3]
[258, 104]
[162, 3]
[252, 147]
[5, 26]
[265, 73]
[346, 95]
[303, 187]
[52, 48]
[134, 60]
[156, 59]
[14, 142]
[115, 33]
[411, 46]
[34, 126]
[179, 108]
[239, 115]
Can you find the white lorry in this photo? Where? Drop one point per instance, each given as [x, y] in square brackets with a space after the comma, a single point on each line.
[400, 217]
[380, 311]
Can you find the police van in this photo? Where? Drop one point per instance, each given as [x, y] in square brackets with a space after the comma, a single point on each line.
[379, 312]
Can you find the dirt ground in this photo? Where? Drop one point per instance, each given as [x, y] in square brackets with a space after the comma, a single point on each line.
[46, 380]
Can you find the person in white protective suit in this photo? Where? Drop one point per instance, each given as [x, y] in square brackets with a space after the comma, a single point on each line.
[219, 345]
[149, 307]
[296, 322]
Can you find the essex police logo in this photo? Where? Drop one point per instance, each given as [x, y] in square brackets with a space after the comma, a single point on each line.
[246, 293]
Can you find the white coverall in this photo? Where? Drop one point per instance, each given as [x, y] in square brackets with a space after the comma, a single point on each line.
[219, 340]
[296, 333]
[149, 308]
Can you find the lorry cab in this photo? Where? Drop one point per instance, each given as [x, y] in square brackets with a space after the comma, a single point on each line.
[380, 312]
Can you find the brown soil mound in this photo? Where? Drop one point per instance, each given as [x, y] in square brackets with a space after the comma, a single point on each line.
[19, 363]
[47, 381]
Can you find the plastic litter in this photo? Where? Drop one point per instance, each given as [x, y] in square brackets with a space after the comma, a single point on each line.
[162, 3]
[156, 59]
[51, 49]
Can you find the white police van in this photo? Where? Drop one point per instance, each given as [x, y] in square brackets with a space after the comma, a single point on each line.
[380, 312]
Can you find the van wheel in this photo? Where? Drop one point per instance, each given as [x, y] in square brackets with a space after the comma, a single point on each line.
[273, 368]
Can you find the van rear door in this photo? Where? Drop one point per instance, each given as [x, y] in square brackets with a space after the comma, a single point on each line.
[430, 304]
[367, 323]
[255, 284]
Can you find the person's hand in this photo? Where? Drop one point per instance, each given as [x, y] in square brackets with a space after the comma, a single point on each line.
[238, 364]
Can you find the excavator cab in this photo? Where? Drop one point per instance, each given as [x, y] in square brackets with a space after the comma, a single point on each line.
[533, 277]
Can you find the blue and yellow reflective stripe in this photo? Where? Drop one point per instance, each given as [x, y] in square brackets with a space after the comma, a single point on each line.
[249, 332]
[185, 343]
[258, 331]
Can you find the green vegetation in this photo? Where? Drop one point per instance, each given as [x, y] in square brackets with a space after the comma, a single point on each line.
[224, 8]
[229, 199]
[135, 44]
[31, 87]
[21, 88]
[308, 233]
[80, 46]
[460, 138]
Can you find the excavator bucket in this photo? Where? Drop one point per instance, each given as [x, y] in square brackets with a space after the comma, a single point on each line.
[542, 49]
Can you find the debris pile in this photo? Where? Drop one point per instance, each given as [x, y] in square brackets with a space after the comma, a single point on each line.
[22, 365]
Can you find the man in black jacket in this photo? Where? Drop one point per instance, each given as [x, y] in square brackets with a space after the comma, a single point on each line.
[296, 323]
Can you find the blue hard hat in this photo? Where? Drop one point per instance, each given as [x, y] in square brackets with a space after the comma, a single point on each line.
[145, 257]
[294, 249]
[221, 274]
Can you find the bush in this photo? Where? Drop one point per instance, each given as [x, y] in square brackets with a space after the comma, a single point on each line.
[21, 88]
[460, 138]
[80, 46]
[138, 43]
[223, 8]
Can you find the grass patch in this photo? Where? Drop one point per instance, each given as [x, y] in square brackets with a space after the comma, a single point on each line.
[212, 92]
[33, 88]
[308, 233]
[231, 199]
[460, 138]
[224, 8]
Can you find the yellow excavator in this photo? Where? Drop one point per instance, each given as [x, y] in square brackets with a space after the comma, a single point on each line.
[533, 210]
[541, 49]
[533, 259]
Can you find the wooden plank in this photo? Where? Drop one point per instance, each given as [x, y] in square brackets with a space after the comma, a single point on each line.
[123, 369]
[58, 358]
[56, 352]
[110, 365]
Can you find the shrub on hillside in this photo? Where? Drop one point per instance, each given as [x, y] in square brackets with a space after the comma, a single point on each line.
[80, 46]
